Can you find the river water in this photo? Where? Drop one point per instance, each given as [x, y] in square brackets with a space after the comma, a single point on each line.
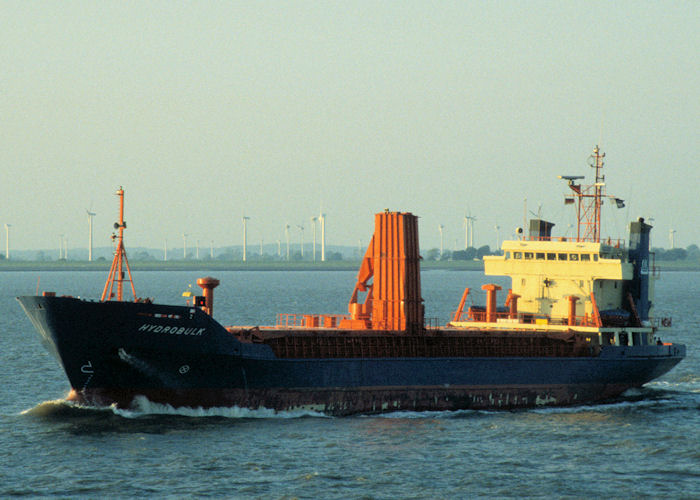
[644, 444]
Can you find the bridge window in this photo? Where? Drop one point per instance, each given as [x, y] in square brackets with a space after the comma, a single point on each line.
[539, 256]
[562, 256]
[573, 256]
[551, 256]
[517, 255]
[528, 255]
[585, 257]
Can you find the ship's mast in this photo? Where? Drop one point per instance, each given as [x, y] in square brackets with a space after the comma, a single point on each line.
[116, 272]
[597, 162]
[589, 200]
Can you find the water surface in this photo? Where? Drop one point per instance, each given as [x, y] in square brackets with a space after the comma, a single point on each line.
[644, 444]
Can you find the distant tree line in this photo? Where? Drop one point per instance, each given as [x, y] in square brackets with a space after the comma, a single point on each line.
[692, 252]
[470, 253]
[232, 255]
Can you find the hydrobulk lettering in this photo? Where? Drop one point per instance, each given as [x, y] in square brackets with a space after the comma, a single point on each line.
[172, 330]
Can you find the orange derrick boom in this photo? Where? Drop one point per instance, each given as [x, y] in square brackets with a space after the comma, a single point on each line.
[392, 262]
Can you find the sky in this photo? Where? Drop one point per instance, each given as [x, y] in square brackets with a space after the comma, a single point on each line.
[206, 111]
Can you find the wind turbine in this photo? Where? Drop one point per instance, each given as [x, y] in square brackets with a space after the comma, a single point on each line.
[60, 246]
[165, 250]
[469, 231]
[498, 237]
[539, 211]
[440, 228]
[569, 229]
[301, 240]
[184, 245]
[90, 216]
[245, 236]
[286, 234]
[322, 218]
[211, 250]
[313, 222]
[671, 237]
[466, 232]
[7, 241]
[197, 251]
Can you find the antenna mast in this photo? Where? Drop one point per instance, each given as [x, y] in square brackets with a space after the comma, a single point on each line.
[116, 272]
[597, 159]
[589, 200]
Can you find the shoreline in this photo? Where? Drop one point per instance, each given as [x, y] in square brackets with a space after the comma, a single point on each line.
[221, 266]
[104, 266]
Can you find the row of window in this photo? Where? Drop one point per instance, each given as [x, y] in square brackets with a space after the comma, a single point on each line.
[585, 257]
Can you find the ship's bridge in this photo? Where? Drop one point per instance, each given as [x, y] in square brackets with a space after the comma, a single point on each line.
[546, 273]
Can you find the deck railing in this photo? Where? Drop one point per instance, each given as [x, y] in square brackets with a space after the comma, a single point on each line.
[617, 243]
[523, 318]
[310, 320]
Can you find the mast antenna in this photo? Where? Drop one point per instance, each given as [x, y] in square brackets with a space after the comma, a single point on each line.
[596, 161]
[589, 199]
[116, 272]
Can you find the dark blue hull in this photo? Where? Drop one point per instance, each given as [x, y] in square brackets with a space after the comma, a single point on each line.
[115, 351]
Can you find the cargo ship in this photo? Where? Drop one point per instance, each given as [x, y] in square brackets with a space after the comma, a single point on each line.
[576, 326]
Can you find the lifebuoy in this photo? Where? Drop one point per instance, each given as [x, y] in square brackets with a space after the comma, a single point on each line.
[666, 322]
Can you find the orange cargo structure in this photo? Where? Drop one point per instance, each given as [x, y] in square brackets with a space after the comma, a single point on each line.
[392, 262]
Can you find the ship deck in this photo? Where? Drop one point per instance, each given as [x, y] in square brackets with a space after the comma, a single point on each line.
[299, 342]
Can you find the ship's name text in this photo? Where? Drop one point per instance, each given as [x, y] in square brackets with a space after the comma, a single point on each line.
[172, 330]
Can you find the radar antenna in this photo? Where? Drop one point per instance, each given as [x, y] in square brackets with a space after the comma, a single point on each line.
[116, 272]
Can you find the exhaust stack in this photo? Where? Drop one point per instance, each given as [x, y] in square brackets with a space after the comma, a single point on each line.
[208, 284]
